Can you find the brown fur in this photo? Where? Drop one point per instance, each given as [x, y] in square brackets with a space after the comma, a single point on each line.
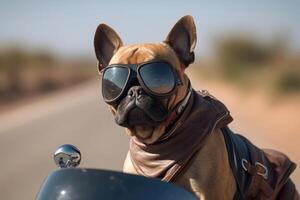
[142, 53]
[208, 175]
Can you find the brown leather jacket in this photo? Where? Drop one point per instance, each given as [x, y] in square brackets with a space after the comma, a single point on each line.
[259, 174]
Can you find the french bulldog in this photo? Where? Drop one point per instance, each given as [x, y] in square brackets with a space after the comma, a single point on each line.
[175, 133]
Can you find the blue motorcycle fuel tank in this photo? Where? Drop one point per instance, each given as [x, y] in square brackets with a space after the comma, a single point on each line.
[88, 184]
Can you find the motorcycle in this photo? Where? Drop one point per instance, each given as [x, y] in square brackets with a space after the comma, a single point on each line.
[71, 183]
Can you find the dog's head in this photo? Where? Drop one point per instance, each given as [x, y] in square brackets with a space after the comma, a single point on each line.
[144, 115]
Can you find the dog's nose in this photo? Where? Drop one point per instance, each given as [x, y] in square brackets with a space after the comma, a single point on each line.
[135, 91]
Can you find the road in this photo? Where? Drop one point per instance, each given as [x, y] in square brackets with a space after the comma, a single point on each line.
[30, 133]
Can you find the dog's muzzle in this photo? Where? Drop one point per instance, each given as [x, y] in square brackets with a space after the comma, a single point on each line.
[138, 108]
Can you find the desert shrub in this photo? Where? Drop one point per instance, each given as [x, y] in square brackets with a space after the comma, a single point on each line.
[287, 82]
[257, 64]
[239, 55]
[24, 73]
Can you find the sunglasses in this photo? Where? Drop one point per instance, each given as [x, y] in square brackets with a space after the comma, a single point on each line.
[157, 78]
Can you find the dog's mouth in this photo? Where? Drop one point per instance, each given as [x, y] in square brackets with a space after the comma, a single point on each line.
[140, 112]
[137, 117]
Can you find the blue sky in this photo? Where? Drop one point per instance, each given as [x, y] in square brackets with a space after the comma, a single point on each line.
[68, 27]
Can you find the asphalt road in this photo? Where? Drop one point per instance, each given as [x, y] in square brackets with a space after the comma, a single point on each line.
[29, 135]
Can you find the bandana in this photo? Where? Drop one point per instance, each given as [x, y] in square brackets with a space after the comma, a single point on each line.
[165, 159]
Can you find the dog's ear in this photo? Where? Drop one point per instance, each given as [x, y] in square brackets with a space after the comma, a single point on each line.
[106, 43]
[182, 38]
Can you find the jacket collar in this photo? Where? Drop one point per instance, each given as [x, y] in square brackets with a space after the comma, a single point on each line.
[166, 158]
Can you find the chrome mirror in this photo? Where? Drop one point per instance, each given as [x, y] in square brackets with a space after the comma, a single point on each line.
[67, 156]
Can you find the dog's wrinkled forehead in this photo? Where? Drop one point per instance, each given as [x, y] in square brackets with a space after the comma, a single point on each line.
[140, 53]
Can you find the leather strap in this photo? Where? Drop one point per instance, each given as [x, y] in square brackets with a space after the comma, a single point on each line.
[259, 173]
[177, 111]
[237, 149]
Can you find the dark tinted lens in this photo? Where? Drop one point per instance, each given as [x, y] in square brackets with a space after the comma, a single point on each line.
[158, 77]
[113, 82]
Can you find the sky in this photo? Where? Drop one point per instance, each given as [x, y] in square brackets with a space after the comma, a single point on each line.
[68, 26]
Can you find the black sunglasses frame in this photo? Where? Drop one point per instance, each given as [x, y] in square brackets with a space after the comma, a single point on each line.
[134, 71]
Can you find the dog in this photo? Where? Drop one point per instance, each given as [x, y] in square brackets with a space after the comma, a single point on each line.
[177, 134]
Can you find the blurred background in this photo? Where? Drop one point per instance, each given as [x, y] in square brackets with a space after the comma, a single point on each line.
[248, 56]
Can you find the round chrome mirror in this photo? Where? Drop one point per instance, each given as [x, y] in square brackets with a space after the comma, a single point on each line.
[67, 156]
